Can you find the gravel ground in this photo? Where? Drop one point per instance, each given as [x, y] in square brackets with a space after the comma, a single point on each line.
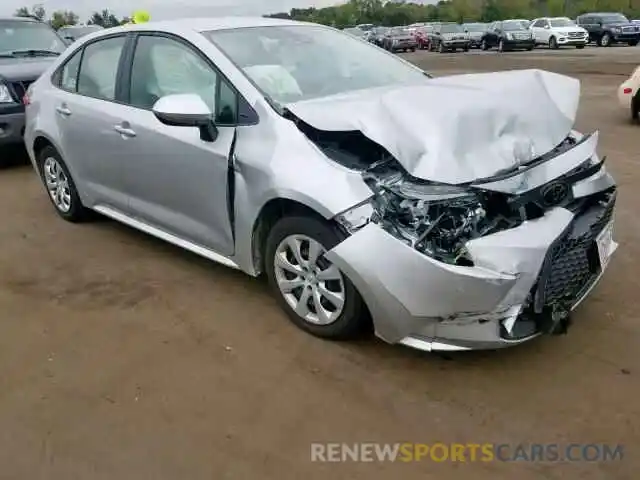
[125, 358]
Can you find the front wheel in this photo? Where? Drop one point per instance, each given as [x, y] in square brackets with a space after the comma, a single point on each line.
[484, 45]
[633, 43]
[60, 186]
[605, 40]
[579, 47]
[441, 48]
[501, 46]
[316, 296]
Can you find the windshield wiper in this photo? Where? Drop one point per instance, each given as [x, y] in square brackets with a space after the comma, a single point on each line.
[34, 53]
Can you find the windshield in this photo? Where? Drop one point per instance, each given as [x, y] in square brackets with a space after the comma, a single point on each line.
[513, 25]
[617, 18]
[300, 62]
[451, 28]
[561, 22]
[397, 32]
[18, 35]
[475, 27]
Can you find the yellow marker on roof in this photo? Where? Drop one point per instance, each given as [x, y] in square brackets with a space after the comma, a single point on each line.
[141, 16]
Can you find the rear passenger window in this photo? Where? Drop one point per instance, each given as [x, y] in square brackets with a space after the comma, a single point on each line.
[99, 68]
[69, 73]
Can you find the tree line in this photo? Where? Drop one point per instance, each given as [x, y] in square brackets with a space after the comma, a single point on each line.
[401, 12]
[61, 18]
[397, 12]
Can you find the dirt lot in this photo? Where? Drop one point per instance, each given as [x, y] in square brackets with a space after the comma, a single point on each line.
[125, 358]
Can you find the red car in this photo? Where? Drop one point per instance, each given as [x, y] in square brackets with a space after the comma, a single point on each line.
[421, 34]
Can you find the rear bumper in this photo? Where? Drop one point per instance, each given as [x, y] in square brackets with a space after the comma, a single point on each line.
[11, 128]
[403, 46]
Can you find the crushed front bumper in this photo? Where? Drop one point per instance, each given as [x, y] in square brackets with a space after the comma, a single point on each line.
[524, 281]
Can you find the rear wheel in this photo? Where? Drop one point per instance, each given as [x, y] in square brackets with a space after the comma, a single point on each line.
[633, 43]
[441, 48]
[316, 296]
[61, 188]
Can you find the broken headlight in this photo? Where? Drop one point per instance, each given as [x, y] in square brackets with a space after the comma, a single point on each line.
[437, 220]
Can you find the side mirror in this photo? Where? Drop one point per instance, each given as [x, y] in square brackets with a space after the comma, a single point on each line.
[547, 27]
[186, 110]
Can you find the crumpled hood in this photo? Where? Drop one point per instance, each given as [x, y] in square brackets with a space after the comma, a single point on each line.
[460, 128]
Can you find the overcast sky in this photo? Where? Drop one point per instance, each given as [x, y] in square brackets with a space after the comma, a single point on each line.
[164, 9]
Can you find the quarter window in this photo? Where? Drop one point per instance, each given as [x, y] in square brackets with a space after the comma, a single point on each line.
[99, 68]
[69, 73]
[163, 66]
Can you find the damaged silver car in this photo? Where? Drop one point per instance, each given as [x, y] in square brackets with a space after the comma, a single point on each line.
[450, 213]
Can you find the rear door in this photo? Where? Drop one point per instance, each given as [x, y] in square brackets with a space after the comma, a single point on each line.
[86, 112]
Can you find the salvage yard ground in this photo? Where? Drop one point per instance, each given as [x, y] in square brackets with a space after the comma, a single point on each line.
[122, 357]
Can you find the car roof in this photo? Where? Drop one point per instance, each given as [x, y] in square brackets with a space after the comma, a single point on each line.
[217, 23]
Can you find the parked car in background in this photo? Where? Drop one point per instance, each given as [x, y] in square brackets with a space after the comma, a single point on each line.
[475, 31]
[443, 241]
[508, 35]
[525, 22]
[608, 28]
[399, 39]
[556, 32]
[629, 94]
[421, 34]
[377, 35]
[355, 32]
[448, 37]
[71, 33]
[27, 48]
[365, 27]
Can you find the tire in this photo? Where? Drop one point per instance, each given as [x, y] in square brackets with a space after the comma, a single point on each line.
[579, 47]
[635, 108]
[501, 46]
[65, 199]
[412, 49]
[484, 45]
[605, 40]
[441, 48]
[351, 319]
[466, 49]
[553, 43]
[530, 48]
[633, 43]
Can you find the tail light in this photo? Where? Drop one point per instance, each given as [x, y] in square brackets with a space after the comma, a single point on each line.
[26, 99]
[626, 91]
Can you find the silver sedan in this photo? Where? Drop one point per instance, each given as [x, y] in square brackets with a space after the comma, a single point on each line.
[451, 213]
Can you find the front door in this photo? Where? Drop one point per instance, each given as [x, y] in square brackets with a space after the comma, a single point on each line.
[177, 181]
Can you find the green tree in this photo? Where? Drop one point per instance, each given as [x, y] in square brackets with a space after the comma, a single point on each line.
[104, 18]
[61, 18]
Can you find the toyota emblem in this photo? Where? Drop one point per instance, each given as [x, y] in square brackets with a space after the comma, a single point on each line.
[554, 193]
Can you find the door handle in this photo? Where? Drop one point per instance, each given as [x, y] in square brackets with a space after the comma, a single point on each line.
[124, 131]
[63, 110]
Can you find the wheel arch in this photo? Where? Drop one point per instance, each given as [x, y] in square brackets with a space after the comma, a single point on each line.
[272, 211]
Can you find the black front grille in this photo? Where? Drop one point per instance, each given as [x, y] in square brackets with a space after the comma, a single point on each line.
[572, 263]
[20, 88]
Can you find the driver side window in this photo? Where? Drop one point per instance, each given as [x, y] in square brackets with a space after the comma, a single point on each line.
[163, 66]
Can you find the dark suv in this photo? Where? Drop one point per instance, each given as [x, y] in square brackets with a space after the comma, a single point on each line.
[608, 28]
[27, 47]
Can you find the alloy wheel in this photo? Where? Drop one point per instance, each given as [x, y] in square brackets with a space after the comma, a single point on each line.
[311, 285]
[57, 184]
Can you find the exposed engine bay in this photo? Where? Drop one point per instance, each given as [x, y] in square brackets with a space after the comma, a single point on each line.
[436, 219]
